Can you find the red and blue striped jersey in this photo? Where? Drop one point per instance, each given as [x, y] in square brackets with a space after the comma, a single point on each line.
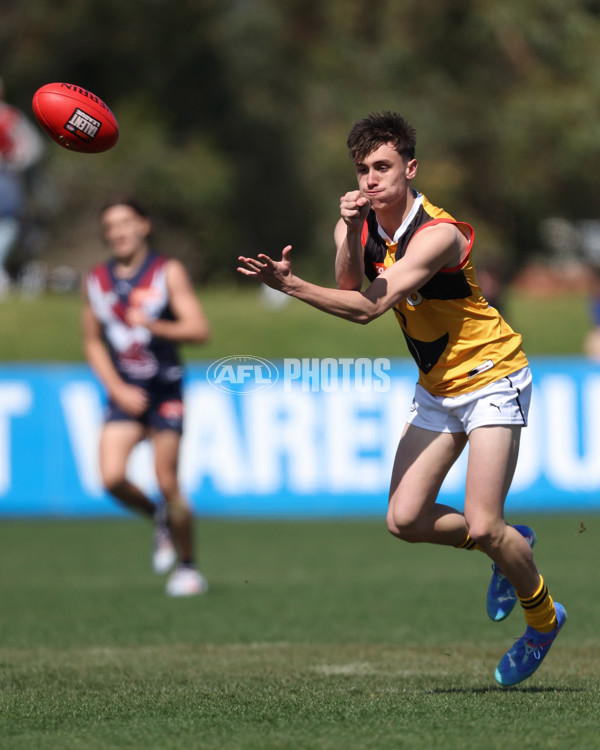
[138, 356]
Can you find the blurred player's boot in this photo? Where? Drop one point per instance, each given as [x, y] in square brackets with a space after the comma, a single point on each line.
[501, 596]
[186, 580]
[521, 661]
[164, 555]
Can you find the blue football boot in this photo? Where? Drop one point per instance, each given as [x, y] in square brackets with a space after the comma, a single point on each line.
[521, 661]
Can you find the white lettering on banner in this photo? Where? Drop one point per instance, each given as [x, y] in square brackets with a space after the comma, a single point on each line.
[333, 442]
[240, 374]
[282, 438]
[573, 459]
[15, 400]
[212, 442]
[328, 374]
[353, 443]
[292, 440]
[382, 380]
[360, 440]
[83, 417]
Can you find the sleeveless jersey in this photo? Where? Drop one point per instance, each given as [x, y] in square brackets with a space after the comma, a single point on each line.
[458, 341]
[138, 356]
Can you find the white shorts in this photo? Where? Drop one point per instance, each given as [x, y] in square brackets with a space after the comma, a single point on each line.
[505, 401]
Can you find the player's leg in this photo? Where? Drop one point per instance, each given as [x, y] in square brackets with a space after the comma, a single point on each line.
[117, 440]
[503, 406]
[166, 458]
[423, 459]
[493, 455]
[501, 595]
[186, 579]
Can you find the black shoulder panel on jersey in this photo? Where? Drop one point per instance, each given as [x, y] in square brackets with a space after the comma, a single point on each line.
[447, 286]
[375, 247]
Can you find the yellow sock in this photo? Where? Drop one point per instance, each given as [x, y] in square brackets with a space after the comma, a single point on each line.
[539, 609]
[469, 544]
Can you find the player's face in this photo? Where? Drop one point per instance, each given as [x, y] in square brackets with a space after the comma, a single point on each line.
[125, 231]
[384, 177]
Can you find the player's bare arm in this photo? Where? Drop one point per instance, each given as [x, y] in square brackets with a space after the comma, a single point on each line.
[349, 260]
[431, 250]
[130, 398]
[190, 324]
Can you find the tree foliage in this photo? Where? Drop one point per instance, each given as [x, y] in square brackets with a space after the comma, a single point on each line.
[234, 113]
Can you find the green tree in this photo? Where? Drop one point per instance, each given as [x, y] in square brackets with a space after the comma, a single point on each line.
[234, 113]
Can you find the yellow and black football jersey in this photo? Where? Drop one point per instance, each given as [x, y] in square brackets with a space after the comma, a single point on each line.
[458, 341]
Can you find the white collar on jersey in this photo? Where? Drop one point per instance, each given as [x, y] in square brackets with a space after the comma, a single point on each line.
[404, 226]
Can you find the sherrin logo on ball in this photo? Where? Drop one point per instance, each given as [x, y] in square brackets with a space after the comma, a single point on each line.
[75, 118]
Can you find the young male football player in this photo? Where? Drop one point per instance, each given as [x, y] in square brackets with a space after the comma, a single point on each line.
[139, 306]
[474, 383]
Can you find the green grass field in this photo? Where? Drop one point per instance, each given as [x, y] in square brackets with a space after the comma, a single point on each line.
[48, 328]
[314, 636]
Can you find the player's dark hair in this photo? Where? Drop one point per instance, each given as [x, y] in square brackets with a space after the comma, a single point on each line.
[378, 129]
[125, 200]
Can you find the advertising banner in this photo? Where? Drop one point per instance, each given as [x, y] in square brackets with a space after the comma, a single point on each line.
[292, 438]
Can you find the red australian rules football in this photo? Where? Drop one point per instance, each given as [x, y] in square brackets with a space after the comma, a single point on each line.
[75, 118]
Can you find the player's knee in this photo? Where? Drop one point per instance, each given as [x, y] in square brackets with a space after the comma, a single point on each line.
[486, 535]
[403, 527]
[113, 483]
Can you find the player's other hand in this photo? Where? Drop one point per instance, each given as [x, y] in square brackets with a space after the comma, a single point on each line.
[130, 398]
[136, 316]
[354, 208]
[274, 273]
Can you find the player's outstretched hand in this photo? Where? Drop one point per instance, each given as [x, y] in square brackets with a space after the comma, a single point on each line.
[274, 273]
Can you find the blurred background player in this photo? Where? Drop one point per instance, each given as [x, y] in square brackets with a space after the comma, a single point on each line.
[138, 307]
[20, 148]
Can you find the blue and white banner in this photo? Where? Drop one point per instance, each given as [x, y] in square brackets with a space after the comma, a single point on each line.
[283, 439]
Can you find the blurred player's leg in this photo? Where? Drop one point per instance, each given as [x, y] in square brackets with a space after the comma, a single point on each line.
[185, 580]
[164, 554]
[117, 440]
